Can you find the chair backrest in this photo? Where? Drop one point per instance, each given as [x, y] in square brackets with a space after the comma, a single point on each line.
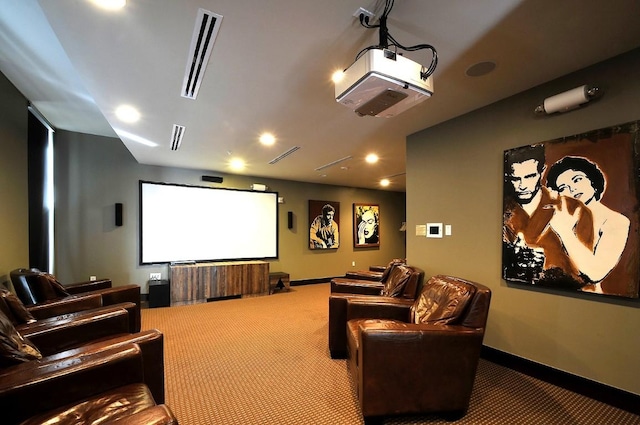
[403, 282]
[387, 271]
[33, 286]
[452, 300]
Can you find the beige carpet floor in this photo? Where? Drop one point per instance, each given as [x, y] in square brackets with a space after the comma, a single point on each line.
[264, 360]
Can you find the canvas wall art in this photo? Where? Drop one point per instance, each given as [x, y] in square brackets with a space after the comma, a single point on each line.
[570, 213]
[366, 225]
[324, 222]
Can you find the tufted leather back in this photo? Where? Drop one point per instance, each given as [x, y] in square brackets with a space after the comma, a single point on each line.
[403, 281]
[33, 286]
[451, 300]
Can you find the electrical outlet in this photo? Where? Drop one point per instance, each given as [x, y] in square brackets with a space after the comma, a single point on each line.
[155, 276]
[365, 12]
[353, 264]
[92, 278]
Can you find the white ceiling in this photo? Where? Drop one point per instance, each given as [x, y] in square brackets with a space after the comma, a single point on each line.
[270, 70]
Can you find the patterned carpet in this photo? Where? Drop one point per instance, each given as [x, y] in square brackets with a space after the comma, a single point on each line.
[264, 360]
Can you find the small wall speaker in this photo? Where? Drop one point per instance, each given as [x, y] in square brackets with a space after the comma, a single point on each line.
[118, 214]
[212, 179]
[290, 220]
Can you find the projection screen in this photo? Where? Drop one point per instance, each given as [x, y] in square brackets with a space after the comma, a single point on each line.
[195, 223]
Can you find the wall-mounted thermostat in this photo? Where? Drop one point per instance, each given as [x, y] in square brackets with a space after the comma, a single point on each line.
[434, 230]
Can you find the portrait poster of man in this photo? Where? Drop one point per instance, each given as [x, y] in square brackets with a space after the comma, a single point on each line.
[366, 229]
[324, 221]
[570, 213]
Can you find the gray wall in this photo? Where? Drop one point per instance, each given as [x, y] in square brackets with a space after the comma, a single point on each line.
[14, 220]
[462, 159]
[93, 173]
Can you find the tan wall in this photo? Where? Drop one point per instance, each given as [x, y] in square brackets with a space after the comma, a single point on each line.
[14, 219]
[93, 173]
[454, 175]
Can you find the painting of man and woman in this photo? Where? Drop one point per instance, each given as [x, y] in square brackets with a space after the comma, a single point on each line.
[570, 212]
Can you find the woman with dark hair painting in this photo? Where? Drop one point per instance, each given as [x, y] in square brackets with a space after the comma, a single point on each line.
[579, 178]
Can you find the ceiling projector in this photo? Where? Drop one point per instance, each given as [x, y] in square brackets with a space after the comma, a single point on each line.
[382, 83]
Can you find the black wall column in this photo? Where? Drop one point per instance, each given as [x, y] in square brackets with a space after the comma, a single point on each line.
[38, 213]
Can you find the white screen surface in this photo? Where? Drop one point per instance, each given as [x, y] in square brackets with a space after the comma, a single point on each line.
[193, 223]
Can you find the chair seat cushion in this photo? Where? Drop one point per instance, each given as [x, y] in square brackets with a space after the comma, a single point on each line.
[100, 409]
[442, 301]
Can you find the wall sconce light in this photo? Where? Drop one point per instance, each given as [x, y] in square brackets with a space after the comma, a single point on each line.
[568, 100]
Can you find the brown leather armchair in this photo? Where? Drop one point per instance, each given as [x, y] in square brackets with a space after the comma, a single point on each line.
[101, 385]
[375, 273]
[420, 357]
[404, 283]
[44, 296]
[79, 333]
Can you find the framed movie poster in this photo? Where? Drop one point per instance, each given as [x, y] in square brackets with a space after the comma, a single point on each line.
[366, 228]
[324, 221]
[570, 212]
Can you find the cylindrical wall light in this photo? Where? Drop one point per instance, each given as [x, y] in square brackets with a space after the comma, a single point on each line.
[568, 100]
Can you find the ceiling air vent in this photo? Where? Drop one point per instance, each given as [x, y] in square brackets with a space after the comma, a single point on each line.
[176, 136]
[284, 155]
[204, 34]
[331, 164]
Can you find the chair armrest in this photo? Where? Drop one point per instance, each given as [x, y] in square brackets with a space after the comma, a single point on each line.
[448, 356]
[378, 268]
[379, 308]
[79, 328]
[151, 342]
[355, 286]
[89, 285]
[65, 305]
[35, 387]
[121, 294]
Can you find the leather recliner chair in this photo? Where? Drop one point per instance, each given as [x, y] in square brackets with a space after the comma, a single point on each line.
[99, 386]
[41, 291]
[403, 283]
[81, 333]
[417, 358]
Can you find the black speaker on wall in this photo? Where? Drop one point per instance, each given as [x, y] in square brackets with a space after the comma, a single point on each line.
[290, 220]
[212, 179]
[118, 214]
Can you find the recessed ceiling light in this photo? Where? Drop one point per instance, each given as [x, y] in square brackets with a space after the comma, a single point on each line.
[110, 4]
[384, 182]
[236, 164]
[337, 76]
[481, 68]
[372, 158]
[267, 139]
[127, 113]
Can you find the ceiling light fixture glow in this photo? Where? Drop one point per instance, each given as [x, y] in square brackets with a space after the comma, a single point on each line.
[267, 139]
[237, 164]
[337, 76]
[127, 113]
[110, 4]
[372, 158]
[385, 182]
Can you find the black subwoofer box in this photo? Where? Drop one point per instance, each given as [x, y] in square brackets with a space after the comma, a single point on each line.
[159, 295]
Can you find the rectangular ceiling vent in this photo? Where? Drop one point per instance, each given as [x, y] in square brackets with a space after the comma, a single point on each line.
[204, 34]
[331, 164]
[284, 155]
[176, 136]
